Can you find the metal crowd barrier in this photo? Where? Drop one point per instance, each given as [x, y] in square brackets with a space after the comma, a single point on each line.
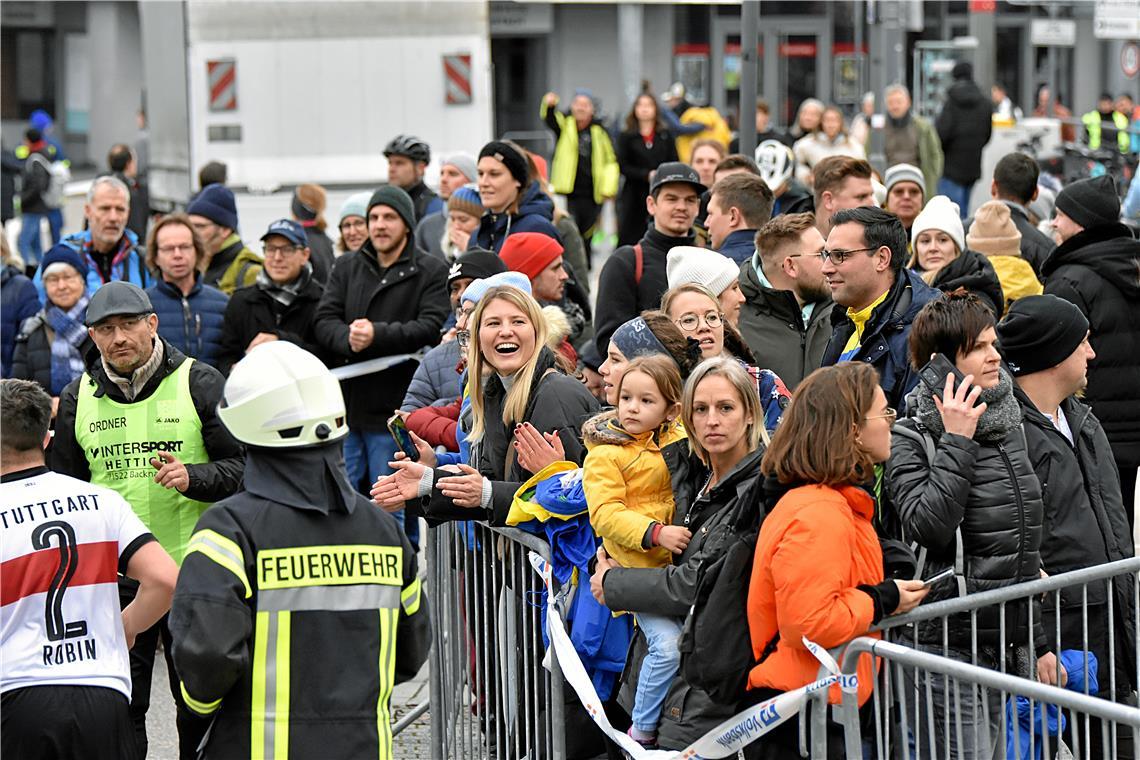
[947, 698]
[495, 690]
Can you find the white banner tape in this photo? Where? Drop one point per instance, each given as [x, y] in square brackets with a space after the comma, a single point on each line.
[723, 741]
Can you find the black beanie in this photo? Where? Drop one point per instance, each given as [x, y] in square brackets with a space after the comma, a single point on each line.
[510, 157]
[477, 264]
[1040, 332]
[1091, 202]
[397, 200]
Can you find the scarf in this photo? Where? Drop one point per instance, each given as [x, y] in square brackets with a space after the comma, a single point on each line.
[901, 122]
[285, 294]
[66, 361]
[133, 385]
[1002, 415]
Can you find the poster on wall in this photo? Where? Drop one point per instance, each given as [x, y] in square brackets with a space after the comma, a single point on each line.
[691, 70]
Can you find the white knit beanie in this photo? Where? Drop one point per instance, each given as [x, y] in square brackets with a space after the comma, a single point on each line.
[940, 214]
[687, 264]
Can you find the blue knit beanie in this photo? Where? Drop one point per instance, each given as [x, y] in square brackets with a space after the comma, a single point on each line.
[216, 203]
[467, 200]
[64, 254]
[477, 289]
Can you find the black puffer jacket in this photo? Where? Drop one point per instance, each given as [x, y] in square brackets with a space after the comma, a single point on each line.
[974, 272]
[688, 712]
[1085, 524]
[1099, 271]
[964, 125]
[558, 404]
[987, 491]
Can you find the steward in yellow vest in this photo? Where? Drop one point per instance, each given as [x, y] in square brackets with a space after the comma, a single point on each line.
[1105, 112]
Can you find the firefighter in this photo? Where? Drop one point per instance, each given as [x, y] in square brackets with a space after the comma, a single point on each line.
[298, 606]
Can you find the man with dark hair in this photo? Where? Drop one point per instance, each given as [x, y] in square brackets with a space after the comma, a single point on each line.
[634, 277]
[840, 182]
[142, 420]
[211, 173]
[1045, 342]
[121, 161]
[786, 316]
[739, 205]
[863, 264]
[735, 163]
[52, 697]
[1095, 267]
[1015, 185]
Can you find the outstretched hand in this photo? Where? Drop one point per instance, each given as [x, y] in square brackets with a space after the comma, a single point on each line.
[391, 491]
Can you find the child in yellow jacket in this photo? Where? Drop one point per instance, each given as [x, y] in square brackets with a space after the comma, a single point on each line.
[630, 496]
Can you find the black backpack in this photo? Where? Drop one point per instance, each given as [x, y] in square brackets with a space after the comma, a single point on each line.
[715, 646]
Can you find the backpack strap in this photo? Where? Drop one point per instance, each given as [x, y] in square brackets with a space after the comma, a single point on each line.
[638, 262]
[240, 281]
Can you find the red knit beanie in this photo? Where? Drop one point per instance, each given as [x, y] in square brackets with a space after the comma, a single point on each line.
[529, 252]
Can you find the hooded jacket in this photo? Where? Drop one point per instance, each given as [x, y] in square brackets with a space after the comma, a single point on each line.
[796, 590]
[558, 404]
[688, 712]
[884, 344]
[1098, 270]
[19, 301]
[628, 487]
[974, 272]
[1084, 524]
[406, 303]
[987, 493]
[772, 325]
[621, 294]
[535, 213]
[964, 126]
[297, 609]
[252, 310]
[191, 322]
[210, 481]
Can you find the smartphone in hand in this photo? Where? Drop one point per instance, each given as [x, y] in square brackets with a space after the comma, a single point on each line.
[933, 375]
[940, 576]
[402, 437]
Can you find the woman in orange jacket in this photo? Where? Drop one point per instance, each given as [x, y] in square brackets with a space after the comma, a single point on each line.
[818, 569]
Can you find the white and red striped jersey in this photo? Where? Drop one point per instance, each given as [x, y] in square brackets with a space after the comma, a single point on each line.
[63, 543]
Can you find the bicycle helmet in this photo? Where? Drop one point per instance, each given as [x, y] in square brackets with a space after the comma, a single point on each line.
[410, 146]
[776, 162]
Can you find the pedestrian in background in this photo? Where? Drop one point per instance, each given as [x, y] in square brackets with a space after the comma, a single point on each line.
[644, 144]
[308, 208]
[964, 126]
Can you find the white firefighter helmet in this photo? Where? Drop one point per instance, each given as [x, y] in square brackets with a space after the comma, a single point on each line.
[776, 162]
[281, 396]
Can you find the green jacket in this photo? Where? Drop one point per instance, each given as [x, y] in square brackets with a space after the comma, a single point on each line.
[603, 160]
[1092, 119]
[241, 272]
[930, 157]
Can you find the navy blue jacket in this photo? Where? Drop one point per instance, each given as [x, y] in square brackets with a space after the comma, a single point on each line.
[885, 337]
[534, 215]
[739, 246]
[18, 301]
[193, 323]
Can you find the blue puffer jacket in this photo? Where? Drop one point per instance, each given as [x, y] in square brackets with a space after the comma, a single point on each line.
[127, 264]
[192, 323]
[535, 213]
[884, 344]
[18, 301]
[436, 380]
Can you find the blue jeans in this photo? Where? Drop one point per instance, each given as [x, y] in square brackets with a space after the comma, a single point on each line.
[29, 242]
[366, 456]
[658, 669]
[960, 194]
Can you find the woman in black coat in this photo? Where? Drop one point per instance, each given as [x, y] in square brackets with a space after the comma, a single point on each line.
[645, 144]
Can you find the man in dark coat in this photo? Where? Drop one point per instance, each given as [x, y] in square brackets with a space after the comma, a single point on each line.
[634, 278]
[964, 126]
[1095, 267]
[1045, 341]
[1015, 185]
[384, 300]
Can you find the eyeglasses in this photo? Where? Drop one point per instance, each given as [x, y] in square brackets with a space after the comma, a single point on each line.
[838, 257]
[889, 415]
[107, 329]
[182, 248]
[463, 338]
[691, 322]
[463, 311]
[352, 224]
[284, 251]
[56, 279]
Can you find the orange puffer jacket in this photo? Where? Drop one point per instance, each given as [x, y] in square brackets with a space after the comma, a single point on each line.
[814, 548]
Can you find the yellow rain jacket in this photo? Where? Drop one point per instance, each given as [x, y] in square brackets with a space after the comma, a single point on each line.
[717, 129]
[1016, 277]
[603, 160]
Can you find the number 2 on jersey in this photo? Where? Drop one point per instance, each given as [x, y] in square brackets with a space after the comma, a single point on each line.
[57, 629]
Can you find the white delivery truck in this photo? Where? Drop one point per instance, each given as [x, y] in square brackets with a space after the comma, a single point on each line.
[292, 92]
